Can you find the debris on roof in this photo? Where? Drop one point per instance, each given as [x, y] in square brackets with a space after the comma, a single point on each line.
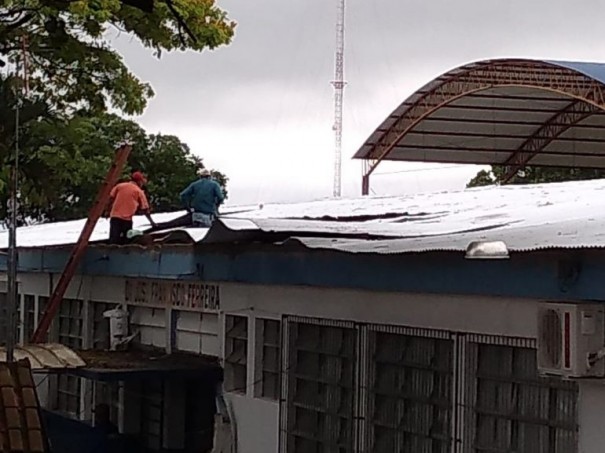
[139, 363]
[557, 215]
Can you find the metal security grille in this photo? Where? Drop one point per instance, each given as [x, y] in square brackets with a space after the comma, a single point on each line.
[377, 388]
[320, 387]
[410, 392]
[236, 353]
[269, 339]
[512, 408]
[70, 323]
[68, 395]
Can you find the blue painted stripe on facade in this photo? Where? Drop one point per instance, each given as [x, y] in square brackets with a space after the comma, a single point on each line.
[533, 275]
[430, 273]
[138, 263]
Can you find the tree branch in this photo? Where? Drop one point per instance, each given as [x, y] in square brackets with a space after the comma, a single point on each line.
[181, 23]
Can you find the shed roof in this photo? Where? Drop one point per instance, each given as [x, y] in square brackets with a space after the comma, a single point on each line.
[542, 216]
[500, 112]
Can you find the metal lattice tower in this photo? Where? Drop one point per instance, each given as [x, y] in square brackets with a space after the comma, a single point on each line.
[339, 84]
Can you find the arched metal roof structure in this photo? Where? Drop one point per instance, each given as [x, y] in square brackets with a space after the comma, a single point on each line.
[509, 112]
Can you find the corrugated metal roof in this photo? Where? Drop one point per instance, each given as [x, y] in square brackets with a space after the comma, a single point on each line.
[50, 356]
[490, 125]
[593, 70]
[563, 215]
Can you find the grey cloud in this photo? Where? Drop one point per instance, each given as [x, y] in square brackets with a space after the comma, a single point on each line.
[277, 71]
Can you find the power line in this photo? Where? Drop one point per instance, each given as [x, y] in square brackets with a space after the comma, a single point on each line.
[416, 170]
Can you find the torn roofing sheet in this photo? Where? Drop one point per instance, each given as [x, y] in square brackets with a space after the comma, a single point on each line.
[568, 214]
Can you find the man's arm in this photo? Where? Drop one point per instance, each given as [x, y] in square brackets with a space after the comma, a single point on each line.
[144, 207]
[186, 197]
[218, 194]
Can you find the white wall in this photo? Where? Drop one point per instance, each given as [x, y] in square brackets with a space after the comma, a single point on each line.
[258, 433]
[490, 315]
[591, 420]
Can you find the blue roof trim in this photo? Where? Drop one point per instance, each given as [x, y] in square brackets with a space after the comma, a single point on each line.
[595, 71]
[524, 275]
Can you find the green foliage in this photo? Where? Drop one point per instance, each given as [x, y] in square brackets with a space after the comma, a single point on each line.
[535, 175]
[72, 65]
[63, 164]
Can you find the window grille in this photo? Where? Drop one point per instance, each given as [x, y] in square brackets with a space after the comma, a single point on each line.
[410, 393]
[269, 356]
[107, 393]
[68, 395]
[419, 390]
[70, 323]
[513, 408]
[236, 353]
[29, 321]
[320, 396]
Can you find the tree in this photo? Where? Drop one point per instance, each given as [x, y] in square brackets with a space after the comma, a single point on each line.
[72, 65]
[534, 175]
[74, 78]
[66, 161]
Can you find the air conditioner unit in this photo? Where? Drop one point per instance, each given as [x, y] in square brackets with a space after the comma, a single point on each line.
[571, 340]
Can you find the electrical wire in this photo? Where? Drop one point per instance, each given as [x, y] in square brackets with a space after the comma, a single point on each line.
[417, 170]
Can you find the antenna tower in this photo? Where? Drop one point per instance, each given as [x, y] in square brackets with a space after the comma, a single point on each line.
[339, 84]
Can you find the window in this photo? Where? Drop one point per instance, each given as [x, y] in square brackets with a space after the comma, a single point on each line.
[68, 395]
[236, 353]
[269, 352]
[382, 388]
[29, 304]
[320, 400]
[107, 393]
[515, 409]
[70, 323]
[410, 393]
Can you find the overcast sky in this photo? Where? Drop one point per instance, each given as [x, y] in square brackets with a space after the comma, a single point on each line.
[260, 110]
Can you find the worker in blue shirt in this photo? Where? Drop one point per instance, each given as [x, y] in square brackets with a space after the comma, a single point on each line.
[202, 198]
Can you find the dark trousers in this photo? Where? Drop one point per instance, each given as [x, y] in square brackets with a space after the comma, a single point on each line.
[118, 229]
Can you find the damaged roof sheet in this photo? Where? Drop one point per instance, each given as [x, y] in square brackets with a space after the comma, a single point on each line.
[561, 215]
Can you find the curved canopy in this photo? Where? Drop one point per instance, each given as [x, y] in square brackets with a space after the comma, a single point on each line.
[500, 112]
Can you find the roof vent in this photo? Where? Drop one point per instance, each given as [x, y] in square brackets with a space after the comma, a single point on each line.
[487, 250]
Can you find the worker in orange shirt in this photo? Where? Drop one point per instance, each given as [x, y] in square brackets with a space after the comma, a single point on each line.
[127, 198]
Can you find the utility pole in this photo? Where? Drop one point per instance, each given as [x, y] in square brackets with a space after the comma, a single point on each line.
[13, 207]
[339, 84]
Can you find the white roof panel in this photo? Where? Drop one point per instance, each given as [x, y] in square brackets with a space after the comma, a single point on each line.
[563, 215]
